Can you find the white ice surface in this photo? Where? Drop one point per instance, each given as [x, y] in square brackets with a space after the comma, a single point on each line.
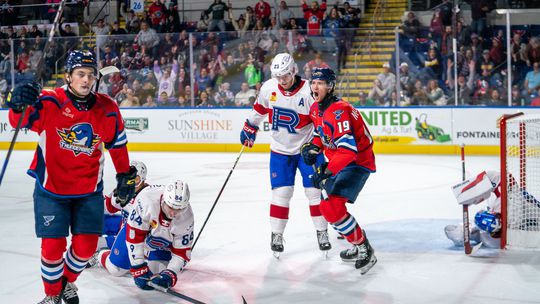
[403, 207]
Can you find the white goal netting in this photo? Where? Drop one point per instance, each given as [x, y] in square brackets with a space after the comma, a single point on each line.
[522, 165]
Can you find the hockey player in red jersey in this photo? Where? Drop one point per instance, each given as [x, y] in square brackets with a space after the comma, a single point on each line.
[341, 134]
[74, 124]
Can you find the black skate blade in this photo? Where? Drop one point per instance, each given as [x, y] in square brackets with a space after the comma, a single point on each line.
[365, 269]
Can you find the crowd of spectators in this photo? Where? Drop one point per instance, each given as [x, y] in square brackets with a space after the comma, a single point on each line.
[427, 69]
[231, 49]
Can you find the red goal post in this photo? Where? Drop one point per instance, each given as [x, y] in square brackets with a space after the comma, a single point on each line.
[520, 181]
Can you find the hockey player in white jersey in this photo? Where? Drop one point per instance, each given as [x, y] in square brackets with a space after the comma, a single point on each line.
[286, 99]
[158, 235]
[485, 187]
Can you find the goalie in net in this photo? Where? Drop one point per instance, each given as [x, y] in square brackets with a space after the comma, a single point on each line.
[486, 187]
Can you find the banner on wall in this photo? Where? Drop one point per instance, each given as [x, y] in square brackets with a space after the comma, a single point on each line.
[403, 127]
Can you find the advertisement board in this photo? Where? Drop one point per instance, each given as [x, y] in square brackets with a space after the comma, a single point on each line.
[394, 130]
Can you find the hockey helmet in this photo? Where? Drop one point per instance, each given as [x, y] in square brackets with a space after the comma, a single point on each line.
[176, 194]
[77, 59]
[324, 74]
[487, 221]
[282, 65]
[141, 169]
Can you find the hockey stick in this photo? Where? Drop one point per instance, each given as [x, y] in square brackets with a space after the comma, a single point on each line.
[466, 232]
[39, 71]
[323, 191]
[104, 72]
[217, 198]
[174, 293]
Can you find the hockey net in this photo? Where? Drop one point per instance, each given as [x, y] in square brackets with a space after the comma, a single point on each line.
[520, 184]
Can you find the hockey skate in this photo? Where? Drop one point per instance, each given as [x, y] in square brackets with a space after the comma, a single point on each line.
[277, 244]
[70, 295]
[362, 255]
[51, 300]
[324, 243]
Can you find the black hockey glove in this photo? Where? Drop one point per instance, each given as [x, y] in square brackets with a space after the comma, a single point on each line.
[23, 95]
[125, 189]
[310, 153]
[320, 176]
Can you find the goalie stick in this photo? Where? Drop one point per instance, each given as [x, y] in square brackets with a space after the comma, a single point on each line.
[466, 232]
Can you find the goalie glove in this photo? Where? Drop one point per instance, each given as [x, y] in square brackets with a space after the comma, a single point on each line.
[248, 134]
[310, 152]
[167, 278]
[125, 190]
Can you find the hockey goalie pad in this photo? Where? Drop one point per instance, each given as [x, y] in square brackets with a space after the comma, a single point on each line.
[474, 190]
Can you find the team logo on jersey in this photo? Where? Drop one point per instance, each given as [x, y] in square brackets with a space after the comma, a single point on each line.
[326, 140]
[285, 118]
[47, 219]
[338, 113]
[80, 138]
[273, 97]
[157, 243]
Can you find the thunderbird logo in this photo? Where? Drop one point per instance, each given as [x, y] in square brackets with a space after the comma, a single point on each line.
[80, 138]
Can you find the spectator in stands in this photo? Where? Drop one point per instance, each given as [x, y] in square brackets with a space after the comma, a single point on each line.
[172, 22]
[532, 53]
[496, 53]
[446, 12]
[350, 15]
[465, 84]
[432, 66]
[316, 63]
[131, 100]
[52, 9]
[265, 41]
[377, 93]
[217, 9]
[436, 27]
[122, 94]
[101, 30]
[463, 34]
[242, 98]
[149, 85]
[262, 11]
[132, 21]
[149, 102]
[496, 99]
[158, 14]
[224, 97]
[3, 89]
[481, 93]
[284, 14]
[435, 94]
[34, 32]
[182, 102]
[252, 72]
[388, 81]
[446, 41]
[364, 101]
[8, 13]
[167, 78]
[517, 99]
[411, 26]
[535, 102]
[479, 10]
[420, 95]
[405, 79]
[241, 24]
[313, 16]
[148, 38]
[204, 101]
[165, 100]
[70, 38]
[203, 80]
[532, 80]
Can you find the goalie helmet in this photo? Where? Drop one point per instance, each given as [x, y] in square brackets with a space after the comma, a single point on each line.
[141, 169]
[282, 65]
[176, 194]
[77, 59]
[490, 222]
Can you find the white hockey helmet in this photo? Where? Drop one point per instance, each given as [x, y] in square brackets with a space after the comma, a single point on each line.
[283, 64]
[176, 194]
[141, 169]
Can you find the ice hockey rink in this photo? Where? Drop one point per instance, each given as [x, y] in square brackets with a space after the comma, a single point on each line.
[403, 208]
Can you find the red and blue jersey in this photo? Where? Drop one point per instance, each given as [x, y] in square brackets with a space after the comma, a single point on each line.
[343, 135]
[69, 158]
